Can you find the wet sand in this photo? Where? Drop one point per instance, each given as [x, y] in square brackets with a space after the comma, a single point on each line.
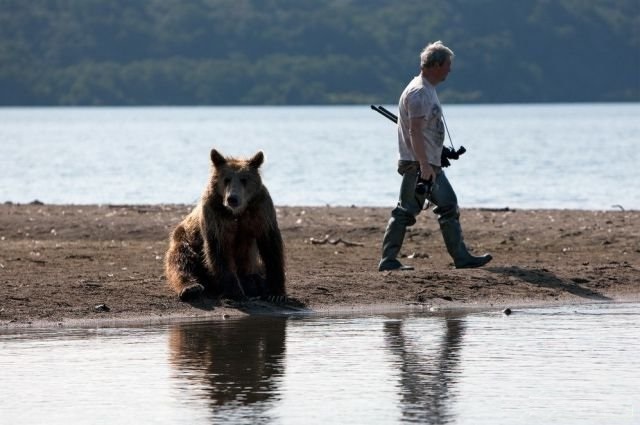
[63, 265]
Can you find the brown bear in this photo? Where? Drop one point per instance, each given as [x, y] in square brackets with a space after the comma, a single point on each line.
[230, 244]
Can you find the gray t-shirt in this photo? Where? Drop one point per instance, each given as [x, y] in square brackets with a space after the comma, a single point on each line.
[419, 99]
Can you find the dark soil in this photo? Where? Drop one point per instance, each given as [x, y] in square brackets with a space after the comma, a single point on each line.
[64, 264]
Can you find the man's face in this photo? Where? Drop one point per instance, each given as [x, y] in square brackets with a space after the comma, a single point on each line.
[443, 70]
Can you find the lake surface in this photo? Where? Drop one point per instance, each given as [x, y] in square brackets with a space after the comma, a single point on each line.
[560, 365]
[580, 156]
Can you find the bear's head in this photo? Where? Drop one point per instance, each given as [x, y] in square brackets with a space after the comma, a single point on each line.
[236, 181]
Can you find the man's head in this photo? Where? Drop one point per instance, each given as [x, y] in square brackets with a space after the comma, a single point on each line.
[435, 62]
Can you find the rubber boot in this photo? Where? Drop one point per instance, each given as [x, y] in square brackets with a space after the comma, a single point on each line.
[391, 244]
[462, 259]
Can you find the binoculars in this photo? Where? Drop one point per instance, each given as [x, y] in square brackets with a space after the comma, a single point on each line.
[423, 186]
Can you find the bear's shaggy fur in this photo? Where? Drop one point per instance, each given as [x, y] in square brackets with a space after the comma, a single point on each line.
[230, 244]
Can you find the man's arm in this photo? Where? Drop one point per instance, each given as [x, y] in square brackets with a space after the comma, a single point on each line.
[417, 142]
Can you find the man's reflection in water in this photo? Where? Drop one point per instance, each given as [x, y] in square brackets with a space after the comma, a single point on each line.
[427, 373]
[237, 361]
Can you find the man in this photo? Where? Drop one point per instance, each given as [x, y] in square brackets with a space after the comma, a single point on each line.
[420, 140]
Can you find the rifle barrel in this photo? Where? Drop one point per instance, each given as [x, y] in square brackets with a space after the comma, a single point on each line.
[385, 112]
[388, 112]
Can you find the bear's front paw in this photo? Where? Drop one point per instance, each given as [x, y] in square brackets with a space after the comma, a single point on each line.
[276, 299]
[191, 292]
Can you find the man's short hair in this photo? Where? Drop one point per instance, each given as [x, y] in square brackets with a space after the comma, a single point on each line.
[435, 54]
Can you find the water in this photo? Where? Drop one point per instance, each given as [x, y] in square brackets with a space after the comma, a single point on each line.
[581, 156]
[562, 365]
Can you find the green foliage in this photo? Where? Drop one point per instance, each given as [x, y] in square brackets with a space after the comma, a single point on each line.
[224, 52]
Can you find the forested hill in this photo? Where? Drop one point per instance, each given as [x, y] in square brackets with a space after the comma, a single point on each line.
[227, 52]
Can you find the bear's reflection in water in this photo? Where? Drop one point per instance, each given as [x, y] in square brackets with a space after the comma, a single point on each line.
[237, 362]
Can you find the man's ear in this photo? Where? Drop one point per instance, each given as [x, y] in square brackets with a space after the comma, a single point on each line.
[257, 160]
[217, 159]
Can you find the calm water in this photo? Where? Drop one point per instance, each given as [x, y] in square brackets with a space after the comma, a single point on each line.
[565, 365]
[523, 156]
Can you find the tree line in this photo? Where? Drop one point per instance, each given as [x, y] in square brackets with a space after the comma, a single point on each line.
[242, 52]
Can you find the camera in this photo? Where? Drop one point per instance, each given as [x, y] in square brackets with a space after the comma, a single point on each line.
[448, 153]
[423, 186]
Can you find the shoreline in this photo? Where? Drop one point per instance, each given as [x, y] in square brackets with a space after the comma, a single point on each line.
[59, 262]
[228, 313]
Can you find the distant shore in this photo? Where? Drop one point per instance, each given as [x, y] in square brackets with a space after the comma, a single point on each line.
[65, 265]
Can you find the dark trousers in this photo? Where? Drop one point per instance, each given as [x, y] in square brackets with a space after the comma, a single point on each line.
[411, 204]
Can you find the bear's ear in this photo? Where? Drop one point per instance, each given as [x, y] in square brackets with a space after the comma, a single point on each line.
[217, 159]
[257, 160]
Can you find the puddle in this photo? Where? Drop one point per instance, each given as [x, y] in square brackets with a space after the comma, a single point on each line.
[565, 365]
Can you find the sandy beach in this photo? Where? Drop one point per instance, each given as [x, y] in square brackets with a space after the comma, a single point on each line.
[63, 265]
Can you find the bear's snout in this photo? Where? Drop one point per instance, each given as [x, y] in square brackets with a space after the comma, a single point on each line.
[234, 198]
[233, 201]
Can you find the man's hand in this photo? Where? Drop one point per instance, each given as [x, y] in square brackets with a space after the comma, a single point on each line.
[427, 172]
